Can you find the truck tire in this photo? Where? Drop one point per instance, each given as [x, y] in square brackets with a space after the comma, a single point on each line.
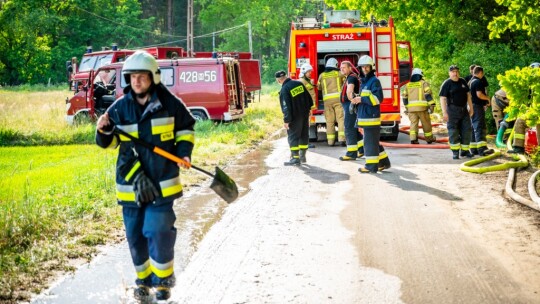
[394, 135]
[199, 115]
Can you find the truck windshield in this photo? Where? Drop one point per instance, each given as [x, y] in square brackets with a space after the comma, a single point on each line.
[87, 63]
[104, 60]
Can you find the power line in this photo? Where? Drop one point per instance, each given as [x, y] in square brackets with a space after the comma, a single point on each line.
[122, 24]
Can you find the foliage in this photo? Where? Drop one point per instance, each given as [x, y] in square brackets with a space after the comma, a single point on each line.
[522, 86]
[520, 15]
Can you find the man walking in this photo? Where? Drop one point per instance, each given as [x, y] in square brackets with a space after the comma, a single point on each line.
[295, 104]
[457, 108]
[146, 183]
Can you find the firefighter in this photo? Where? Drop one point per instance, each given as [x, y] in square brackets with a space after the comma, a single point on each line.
[480, 102]
[457, 108]
[329, 84]
[146, 183]
[520, 127]
[419, 104]
[499, 102]
[305, 78]
[351, 86]
[295, 104]
[369, 117]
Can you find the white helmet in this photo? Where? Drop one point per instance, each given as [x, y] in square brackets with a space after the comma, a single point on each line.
[366, 60]
[141, 61]
[306, 67]
[331, 63]
[417, 71]
[535, 65]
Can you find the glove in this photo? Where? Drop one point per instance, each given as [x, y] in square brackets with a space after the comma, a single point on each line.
[431, 109]
[353, 108]
[145, 191]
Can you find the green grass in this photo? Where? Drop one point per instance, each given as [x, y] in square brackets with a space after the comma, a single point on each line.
[57, 198]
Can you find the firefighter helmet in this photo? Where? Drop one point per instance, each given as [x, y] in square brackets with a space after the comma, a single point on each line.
[535, 65]
[305, 68]
[331, 63]
[417, 71]
[141, 61]
[366, 60]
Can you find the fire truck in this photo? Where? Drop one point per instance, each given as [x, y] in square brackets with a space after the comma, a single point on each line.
[211, 88]
[78, 74]
[343, 36]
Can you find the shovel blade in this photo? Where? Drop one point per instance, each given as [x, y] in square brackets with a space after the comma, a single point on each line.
[224, 186]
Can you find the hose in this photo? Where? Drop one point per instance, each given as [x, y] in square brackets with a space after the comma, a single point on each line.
[405, 130]
[531, 185]
[520, 161]
[499, 141]
[513, 195]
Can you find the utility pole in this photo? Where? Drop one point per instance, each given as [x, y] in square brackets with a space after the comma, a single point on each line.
[250, 41]
[170, 17]
[190, 28]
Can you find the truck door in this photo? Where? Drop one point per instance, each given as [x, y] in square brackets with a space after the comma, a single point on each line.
[234, 85]
[405, 61]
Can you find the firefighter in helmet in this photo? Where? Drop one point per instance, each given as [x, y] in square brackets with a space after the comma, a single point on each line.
[369, 117]
[146, 183]
[499, 102]
[329, 83]
[295, 103]
[419, 104]
[520, 127]
[305, 78]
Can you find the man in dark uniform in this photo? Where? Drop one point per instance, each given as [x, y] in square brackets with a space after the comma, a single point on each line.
[295, 104]
[480, 102]
[351, 87]
[457, 108]
[146, 183]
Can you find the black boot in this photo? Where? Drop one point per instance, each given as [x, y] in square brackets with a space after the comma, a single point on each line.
[474, 151]
[465, 153]
[295, 159]
[517, 150]
[485, 151]
[415, 142]
[142, 293]
[303, 155]
[349, 156]
[455, 154]
[163, 293]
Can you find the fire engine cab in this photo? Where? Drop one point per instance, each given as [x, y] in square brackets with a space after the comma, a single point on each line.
[343, 36]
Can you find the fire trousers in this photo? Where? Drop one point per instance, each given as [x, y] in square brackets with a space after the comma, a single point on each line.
[375, 155]
[333, 113]
[151, 236]
[353, 138]
[422, 116]
[298, 134]
[459, 128]
[479, 128]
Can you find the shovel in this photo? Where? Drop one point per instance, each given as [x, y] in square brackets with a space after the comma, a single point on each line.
[222, 184]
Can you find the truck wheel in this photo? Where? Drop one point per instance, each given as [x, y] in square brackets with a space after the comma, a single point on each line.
[395, 133]
[199, 115]
[81, 118]
[313, 133]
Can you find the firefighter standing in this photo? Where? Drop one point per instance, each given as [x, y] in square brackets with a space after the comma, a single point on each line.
[305, 78]
[499, 102]
[146, 183]
[295, 104]
[457, 108]
[351, 87]
[369, 117]
[520, 127]
[480, 102]
[329, 84]
[419, 104]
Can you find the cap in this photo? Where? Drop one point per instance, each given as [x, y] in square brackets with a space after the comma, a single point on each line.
[453, 67]
[280, 74]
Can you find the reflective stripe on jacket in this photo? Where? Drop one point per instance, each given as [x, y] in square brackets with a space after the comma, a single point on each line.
[417, 96]
[329, 85]
[369, 109]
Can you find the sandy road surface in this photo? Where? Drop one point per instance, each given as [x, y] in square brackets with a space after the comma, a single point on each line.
[423, 232]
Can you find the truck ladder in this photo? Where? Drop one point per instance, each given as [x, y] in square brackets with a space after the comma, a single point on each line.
[231, 85]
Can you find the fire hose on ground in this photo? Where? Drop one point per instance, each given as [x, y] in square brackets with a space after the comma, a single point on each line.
[405, 130]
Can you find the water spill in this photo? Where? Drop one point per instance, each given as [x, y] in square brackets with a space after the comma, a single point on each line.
[108, 277]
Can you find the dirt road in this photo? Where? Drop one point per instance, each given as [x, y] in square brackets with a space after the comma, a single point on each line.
[421, 232]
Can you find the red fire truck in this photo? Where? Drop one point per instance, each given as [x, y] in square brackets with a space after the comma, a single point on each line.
[211, 88]
[78, 73]
[343, 36]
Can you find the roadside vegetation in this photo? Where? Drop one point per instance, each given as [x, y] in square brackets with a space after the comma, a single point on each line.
[57, 200]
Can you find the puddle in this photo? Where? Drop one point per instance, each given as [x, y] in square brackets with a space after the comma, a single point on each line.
[111, 273]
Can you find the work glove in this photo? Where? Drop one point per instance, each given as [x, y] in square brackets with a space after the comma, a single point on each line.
[353, 108]
[145, 191]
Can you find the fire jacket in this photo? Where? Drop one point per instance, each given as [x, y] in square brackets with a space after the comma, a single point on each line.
[369, 109]
[310, 88]
[294, 99]
[166, 123]
[329, 84]
[417, 95]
